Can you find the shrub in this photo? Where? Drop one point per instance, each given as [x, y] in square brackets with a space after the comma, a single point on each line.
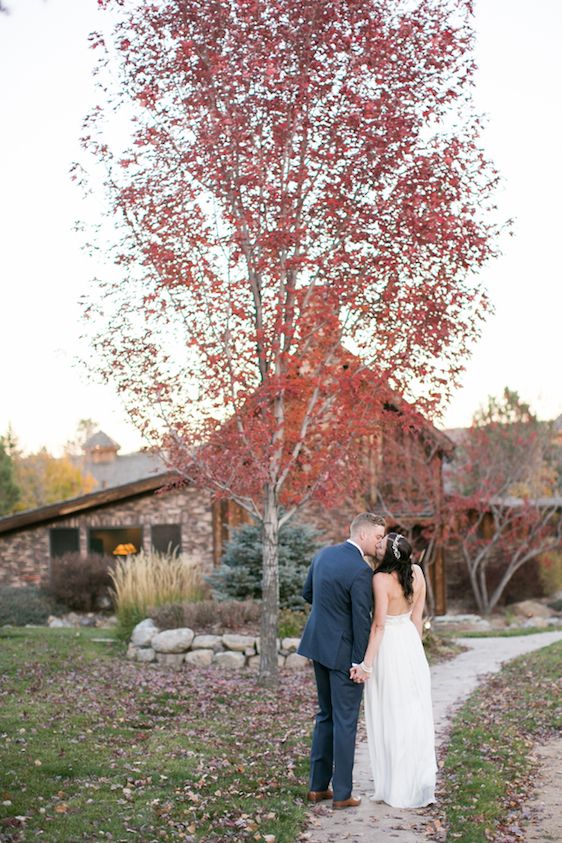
[550, 572]
[291, 623]
[79, 582]
[30, 604]
[230, 615]
[149, 580]
[240, 575]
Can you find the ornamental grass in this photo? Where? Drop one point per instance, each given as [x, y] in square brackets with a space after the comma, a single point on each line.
[148, 580]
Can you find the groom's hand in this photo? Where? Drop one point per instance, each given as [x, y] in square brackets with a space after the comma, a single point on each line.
[356, 674]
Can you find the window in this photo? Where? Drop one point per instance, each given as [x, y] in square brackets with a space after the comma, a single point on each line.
[166, 538]
[104, 540]
[64, 540]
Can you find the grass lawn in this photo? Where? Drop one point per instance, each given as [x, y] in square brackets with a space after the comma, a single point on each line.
[488, 770]
[98, 748]
[510, 632]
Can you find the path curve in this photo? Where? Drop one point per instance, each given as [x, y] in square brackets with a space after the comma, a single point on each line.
[451, 682]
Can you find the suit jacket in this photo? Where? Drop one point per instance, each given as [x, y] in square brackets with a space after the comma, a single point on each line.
[339, 587]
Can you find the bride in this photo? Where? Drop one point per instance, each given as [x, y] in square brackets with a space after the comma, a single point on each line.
[398, 708]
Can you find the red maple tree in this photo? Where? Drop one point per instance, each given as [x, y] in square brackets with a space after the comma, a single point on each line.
[504, 506]
[303, 200]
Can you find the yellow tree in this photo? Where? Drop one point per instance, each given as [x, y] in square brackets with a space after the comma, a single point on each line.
[45, 479]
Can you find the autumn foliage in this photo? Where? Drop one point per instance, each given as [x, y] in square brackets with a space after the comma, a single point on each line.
[303, 199]
[504, 509]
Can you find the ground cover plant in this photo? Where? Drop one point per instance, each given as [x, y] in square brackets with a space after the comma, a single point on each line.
[98, 748]
[488, 767]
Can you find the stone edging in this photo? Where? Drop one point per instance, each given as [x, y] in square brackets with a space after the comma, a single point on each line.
[174, 647]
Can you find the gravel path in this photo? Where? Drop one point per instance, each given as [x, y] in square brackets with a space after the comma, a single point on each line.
[452, 681]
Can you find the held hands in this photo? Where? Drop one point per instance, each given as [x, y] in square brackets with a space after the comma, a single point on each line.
[360, 673]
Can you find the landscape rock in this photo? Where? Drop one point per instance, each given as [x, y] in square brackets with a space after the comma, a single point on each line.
[58, 623]
[531, 609]
[173, 660]
[173, 640]
[144, 632]
[88, 620]
[538, 622]
[146, 654]
[199, 658]
[132, 651]
[465, 619]
[296, 662]
[230, 660]
[238, 643]
[290, 644]
[207, 642]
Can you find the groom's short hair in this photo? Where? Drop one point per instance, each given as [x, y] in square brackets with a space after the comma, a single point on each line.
[366, 519]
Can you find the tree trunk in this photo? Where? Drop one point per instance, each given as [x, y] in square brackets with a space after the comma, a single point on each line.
[268, 674]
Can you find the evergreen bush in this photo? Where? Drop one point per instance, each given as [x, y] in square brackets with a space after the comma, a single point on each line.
[240, 574]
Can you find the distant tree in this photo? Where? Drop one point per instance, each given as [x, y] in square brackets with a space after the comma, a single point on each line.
[9, 489]
[503, 512]
[45, 479]
[84, 429]
[302, 176]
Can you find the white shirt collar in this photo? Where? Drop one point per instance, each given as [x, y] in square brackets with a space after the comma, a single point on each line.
[357, 546]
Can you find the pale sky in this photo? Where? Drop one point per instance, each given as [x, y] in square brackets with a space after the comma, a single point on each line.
[47, 88]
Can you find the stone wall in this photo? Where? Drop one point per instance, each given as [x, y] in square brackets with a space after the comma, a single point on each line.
[178, 647]
[25, 553]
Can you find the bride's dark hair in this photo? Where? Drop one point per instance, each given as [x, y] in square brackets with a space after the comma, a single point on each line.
[397, 557]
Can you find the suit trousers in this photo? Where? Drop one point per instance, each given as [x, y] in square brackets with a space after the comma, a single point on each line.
[333, 742]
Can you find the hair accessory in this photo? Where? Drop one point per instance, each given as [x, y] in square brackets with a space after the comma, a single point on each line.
[395, 548]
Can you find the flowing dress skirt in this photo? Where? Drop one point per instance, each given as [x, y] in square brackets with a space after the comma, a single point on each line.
[399, 718]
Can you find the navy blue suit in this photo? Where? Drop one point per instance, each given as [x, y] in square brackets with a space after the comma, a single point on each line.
[339, 587]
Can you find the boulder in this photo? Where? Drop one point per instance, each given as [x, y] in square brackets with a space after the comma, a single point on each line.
[199, 658]
[207, 642]
[146, 654]
[144, 632]
[173, 640]
[58, 623]
[73, 618]
[296, 662]
[238, 643]
[132, 651]
[290, 645]
[531, 609]
[88, 620]
[230, 660]
[539, 623]
[173, 660]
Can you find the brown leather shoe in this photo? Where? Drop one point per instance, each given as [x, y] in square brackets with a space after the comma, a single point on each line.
[318, 795]
[352, 802]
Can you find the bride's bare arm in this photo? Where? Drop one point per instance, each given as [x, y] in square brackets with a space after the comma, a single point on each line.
[377, 627]
[419, 598]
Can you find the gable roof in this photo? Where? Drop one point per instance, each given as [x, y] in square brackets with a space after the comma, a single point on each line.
[103, 497]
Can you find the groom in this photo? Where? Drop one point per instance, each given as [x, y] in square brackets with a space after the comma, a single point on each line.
[339, 586]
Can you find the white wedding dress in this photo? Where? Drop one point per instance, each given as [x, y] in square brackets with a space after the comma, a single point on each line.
[399, 718]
